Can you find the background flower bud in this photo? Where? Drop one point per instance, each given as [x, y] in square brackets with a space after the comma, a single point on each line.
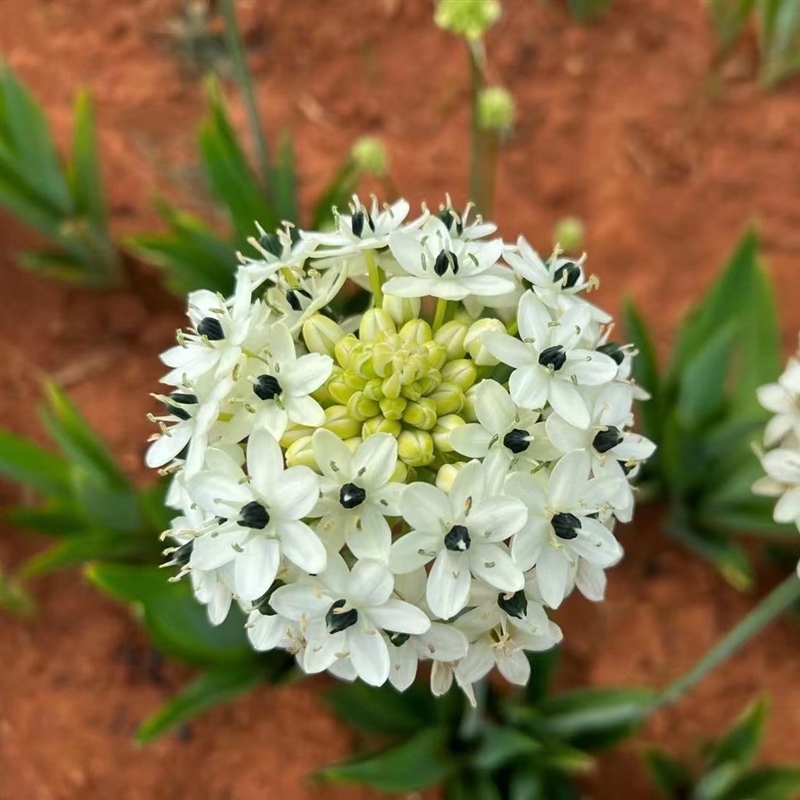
[393, 407]
[415, 448]
[369, 155]
[444, 427]
[339, 421]
[380, 424]
[416, 330]
[301, 454]
[460, 372]
[468, 18]
[339, 389]
[402, 309]
[452, 335]
[375, 321]
[343, 349]
[569, 234]
[496, 109]
[474, 341]
[321, 334]
[360, 407]
[448, 398]
[447, 474]
[421, 414]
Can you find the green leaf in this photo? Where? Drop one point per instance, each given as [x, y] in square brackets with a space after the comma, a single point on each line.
[779, 35]
[117, 510]
[591, 719]
[543, 666]
[729, 18]
[645, 368]
[24, 462]
[740, 744]
[381, 709]
[84, 168]
[416, 763]
[336, 194]
[13, 597]
[286, 182]
[174, 619]
[701, 395]
[768, 783]
[587, 10]
[211, 688]
[54, 264]
[716, 783]
[472, 785]
[52, 519]
[78, 441]
[501, 744]
[672, 778]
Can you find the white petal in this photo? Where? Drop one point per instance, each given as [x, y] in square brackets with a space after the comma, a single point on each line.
[265, 631]
[552, 572]
[168, 445]
[256, 567]
[564, 436]
[493, 563]
[448, 584]
[509, 349]
[413, 550]
[534, 319]
[477, 663]
[528, 543]
[298, 600]
[321, 652]
[264, 460]
[494, 407]
[372, 537]
[568, 403]
[375, 461]
[308, 374]
[293, 493]
[471, 440]
[529, 386]
[425, 508]
[591, 581]
[495, 520]
[404, 666]
[444, 642]
[332, 455]
[370, 584]
[515, 667]
[302, 546]
[370, 656]
[217, 493]
[212, 551]
[596, 543]
[400, 617]
[568, 480]
[305, 411]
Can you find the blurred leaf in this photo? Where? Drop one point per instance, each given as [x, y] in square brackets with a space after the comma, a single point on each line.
[717, 782]
[779, 38]
[740, 744]
[729, 18]
[337, 193]
[529, 782]
[472, 785]
[645, 368]
[768, 783]
[24, 462]
[173, 618]
[79, 442]
[107, 508]
[55, 264]
[13, 597]
[543, 666]
[52, 519]
[211, 688]
[587, 10]
[596, 718]
[501, 744]
[84, 169]
[381, 709]
[286, 182]
[672, 778]
[416, 763]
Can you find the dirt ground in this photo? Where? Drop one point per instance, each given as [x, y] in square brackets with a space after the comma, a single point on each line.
[619, 124]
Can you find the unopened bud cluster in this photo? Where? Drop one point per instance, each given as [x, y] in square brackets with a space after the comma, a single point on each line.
[420, 481]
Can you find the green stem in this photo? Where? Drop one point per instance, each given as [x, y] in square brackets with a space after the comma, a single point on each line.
[375, 278]
[772, 606]
[440, 315]
[233, 41]
[476, 59]
[473, 717]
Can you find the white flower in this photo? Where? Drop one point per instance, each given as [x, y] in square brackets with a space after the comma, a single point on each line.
[502, 425]
[278, 253]
[261, 517]
[342, 614]
[782, 466]
[549, 364]
[439, 266]
[462, 533]
[783, 400]
[561, 527]
[356, 493]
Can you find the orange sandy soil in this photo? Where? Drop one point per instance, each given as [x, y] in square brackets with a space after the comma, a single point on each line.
[618, 123]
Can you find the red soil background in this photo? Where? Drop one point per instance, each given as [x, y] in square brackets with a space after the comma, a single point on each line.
[619, 123]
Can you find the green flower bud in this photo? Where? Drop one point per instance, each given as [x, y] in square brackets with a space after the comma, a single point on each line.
[339, 421]
[321, 334]
[451, 335]
[401, 309]
[474, 341]
[360, 407]
[468, 410]
[393, 407]
[569, 234]
[392, 386]
[400, 474]
[412, 391]
[416, 330]
[421, 414]
[441, 433]
[382, 357]
[447, 474]
[354, 380]
[429, 381]
[369, 155]
[344, 347]
[448, 399]
[380, 424]
[361, 362]
[437, 354]
[338, 388]
[373, 389]
[294, 434]
[375, 321]
[468, 18]
[415, 448]
[460, 372]
[301, 454]
[496, 109]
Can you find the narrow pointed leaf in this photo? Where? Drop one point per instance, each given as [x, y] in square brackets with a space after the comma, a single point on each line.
[24, 462]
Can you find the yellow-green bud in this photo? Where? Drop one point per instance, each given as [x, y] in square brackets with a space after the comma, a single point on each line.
[322, 395]
[441, 433]
[382, 356]
[373, 389]
[375, 321]
[421, 414]
[338, 388]
[293, 434]
[339, 421]
[412, 391]
[416, 330]
[447, 474]
[361, 362]
[569, 234]
[393, 407]
[354, 380]
[380, 424]
[301, 454]
[474, 341]
[460, 372]
[451, 335]
[392, 386]
[321, 334]
[437, 354]
[361, 407]
[468, 410]
[344, 347]
[468, 18]
[401, 309]
[448, 398]
[400, 474]
[496, 109]
[369, 155]
[415, 448]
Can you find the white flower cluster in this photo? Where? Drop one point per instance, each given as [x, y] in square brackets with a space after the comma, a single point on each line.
[419, 481]
[782, 435]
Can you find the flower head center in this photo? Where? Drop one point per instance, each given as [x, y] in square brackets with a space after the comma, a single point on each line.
[351, 496]
[211, 328]
[517, 441]
[554, 357]
[515, 605]
[607, 440]
[254, 515]
[568, 274]
[457, 539]
[444, 261]
[266, 387]
[565, 525]
[340, 618]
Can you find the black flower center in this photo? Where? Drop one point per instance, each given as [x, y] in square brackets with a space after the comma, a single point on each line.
[358, 220]
[612, 350]
[182, 555]
[294, 300]
[565, 526]
[517, 441]
[267, 387]
[451, 220]
[211, 328]
[351, 495]
[457, 539]
[445, 261]
[254, 515]
[398, 639]
[182, 399]
[262, 604]
[515, 605]
[554, 357]
[337, 620]
[568, 274]
[271, 243]
[607, 439]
